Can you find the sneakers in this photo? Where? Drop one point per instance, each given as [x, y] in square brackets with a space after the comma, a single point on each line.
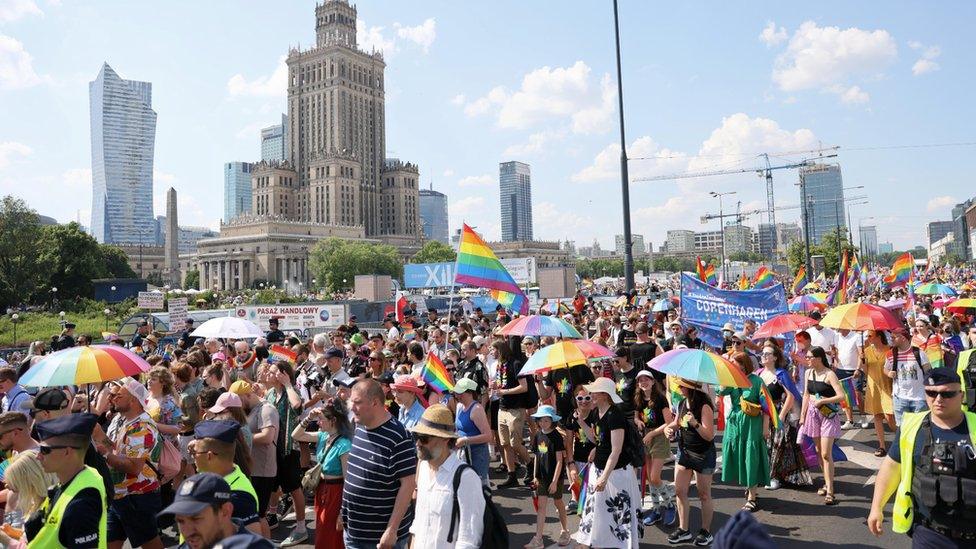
[564, 539]
[846, 426]
[670, 515]
[865, 424]
[297, 536]
[680, 536]
[651, 517]
[535, 543]
[284, 505]
[571, 508]
[272, 521]
[704, 538]
[773, 485]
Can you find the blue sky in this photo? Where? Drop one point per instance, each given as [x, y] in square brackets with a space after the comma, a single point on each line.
[470, 84]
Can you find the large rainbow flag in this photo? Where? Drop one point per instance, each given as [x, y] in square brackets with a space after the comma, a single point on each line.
[901, 271]
[435, 374]
[700, 268]
[743, 282]
[769, 406]
[478, 266]
[710, 277]
[764, 278]
[800, 280]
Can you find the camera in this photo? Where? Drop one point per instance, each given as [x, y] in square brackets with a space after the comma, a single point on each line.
[944, 458]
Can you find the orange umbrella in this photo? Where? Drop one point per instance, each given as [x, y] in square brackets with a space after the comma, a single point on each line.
[860, 317]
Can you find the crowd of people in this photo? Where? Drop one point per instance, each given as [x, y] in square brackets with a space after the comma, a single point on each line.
[230, 440]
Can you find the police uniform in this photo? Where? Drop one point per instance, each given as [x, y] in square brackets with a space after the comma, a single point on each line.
[203, 490]
[936, 497]
[966, 368]
[243, 495]
[74, 514]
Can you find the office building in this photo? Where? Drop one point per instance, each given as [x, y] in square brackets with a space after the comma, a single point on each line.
[237, 189]
[937, 230]
[766, 240]
[886, 248]
[961, 227]
[681, 240]
[707, 242]
[868, 240]
[274, 141]
[515, 194]
[433, 215]
[738, 238]
[123, 139]
[637, 245]
[786, 234]
[822, 191]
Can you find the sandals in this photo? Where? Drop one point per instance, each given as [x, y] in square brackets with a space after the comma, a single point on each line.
[880, 452]
[751, 505]
[830, 500]
[822, 491]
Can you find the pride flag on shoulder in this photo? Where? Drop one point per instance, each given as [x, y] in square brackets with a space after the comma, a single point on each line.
[478, 266]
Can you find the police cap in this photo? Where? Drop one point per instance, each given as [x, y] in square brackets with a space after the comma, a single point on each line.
[941, 376]
[80, 425]
[221, 429]
[197, 493]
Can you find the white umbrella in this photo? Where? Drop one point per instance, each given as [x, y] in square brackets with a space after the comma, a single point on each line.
[229, 327]
[192, 291]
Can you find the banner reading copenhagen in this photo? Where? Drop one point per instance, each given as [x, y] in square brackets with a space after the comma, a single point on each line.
[709, 308]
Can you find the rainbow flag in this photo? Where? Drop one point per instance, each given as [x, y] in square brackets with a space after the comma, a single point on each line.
[800, 280]
[855, 277]
[743, 282]
[852, 398]
[700, 267]
[277, 353]
[764, 278]
[478, 266]
[436, 375]
[769, 406]
[581, 496]
[901, 270]
[933, 350]
[710, 277]
[833, 298]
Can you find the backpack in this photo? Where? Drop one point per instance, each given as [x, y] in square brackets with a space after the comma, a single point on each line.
[633, 450]
[495, 533]
[894, 357]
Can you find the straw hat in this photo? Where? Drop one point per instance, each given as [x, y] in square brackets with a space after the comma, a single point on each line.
[604, 385]
[437, 421]
[688, 384]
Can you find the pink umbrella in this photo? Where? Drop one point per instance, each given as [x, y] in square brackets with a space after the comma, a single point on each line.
[781, 324]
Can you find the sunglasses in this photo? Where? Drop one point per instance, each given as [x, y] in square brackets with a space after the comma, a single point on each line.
[46, 450]
[583, 398]
[946, 395]
[422, 439]
[736, 342]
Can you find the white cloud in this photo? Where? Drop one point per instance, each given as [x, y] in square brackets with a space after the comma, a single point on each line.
[547, 94]
[9, 150]
[476, 181]
[77, 177]
[12, 10]
[423, 35]
[372, 38]
[16, 65]
[772, 35]
[536, 144]
[606, 164]
[829, 59]
[275, 85]
[448, 173]
[940, 202]
[551, 223]
[458, 99]
[926, 63]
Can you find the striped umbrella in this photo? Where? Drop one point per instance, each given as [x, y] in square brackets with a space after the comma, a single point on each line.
[540, 325]
[934, 288]
[81, 365]
[806, 303]
[701, 366]
[962, 304]
[563, 354]
[861, 317]
[780, 324]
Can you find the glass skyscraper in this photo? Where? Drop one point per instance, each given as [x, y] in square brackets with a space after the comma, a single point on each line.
[433, 215]
[824, 199]
[237, 189]
[123, 138]
[273, 141]
[515, 190]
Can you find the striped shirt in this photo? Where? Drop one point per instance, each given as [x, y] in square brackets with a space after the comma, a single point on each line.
[377, 461]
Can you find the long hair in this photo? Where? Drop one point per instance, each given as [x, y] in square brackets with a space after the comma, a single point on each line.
[818, 352]
[26, 474]
[777, 354]
[640, 401]
[335, 411]
[697, 400]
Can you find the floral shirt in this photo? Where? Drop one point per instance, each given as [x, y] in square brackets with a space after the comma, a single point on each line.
[137, 438]
[165, 412]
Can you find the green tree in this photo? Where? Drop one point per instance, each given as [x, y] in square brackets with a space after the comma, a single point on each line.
[667, 264]
[155, 278]
[116, 262]
[434, 252]
[73, 258]
[832, 246]
[21, 267]
[334, 260]
[192, 280]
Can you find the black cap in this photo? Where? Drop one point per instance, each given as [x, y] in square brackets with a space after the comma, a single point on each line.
[347, 383]
[197, 493]
[941, 376]
[273, 320]
[69, 325]
[142, 323]
[72, 424]
[386, 378]
[335, 352]
[353, 318]
[409, 312]
[221, 429]
[48, 399]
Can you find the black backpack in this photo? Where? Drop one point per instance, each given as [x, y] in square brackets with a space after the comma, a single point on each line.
[495, 533]
[633, 450]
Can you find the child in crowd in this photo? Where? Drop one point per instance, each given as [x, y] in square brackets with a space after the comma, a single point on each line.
[550, 454]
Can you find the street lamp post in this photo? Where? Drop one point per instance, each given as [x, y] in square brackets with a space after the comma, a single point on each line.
[721, 223]
[108, 313]
[624, 177]
[54, 297]
[14, 318]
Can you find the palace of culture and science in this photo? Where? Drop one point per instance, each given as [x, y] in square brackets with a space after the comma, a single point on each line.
[335, 179]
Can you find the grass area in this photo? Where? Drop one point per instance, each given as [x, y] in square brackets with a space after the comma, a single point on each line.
[34, 326]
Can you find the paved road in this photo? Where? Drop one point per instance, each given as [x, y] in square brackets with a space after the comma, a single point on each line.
[795, 518]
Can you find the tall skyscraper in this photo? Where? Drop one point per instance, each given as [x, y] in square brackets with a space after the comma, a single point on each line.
[636, 242]
[123, 138]
[824, 199]
[433, 215]
[515, 182]
[273, 141]
[869, 240]
[961, 227]
[237, 189]
[938, 229]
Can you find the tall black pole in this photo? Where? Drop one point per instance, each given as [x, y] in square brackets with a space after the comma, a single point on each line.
[624, 178]
[806, 227]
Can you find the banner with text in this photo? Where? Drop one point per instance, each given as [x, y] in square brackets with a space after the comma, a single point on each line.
[709, 308]
[441, 275]
[295, 317]
[177, 313]
[150, 301]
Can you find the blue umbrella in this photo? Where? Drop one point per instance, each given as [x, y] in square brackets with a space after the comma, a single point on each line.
[662, 305]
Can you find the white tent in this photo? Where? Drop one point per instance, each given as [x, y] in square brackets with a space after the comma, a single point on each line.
[229, 327]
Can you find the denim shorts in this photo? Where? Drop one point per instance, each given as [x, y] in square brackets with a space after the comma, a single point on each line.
[705, 466]
[903, 405]
[133, 517]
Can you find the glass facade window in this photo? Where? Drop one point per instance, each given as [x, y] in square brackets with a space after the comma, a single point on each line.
[237, 189]
[273, 141]
[515, 190]
[433, 215]
[824, 187]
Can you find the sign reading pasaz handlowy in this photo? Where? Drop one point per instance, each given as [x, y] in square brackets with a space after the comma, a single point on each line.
[709, 308]
[295, 317]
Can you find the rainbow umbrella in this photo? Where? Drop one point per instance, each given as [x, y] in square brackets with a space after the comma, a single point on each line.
[563, 354]
[540, 325]
[962, 304]
[662, 305]
[81, 365]
[934, 288]
[806, 303]
[780, 324]
[861, 317]
[701, 366]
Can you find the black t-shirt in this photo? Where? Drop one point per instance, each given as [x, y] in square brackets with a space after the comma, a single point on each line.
[547, 447]
[626, 388]
[563, 383]
[275, 336]
[245, 507]
[475, 370]
[641, 354]
[652, 412]
[582, 445]
[958, 433]
[613, 419]
[508, 372]
[626, 337]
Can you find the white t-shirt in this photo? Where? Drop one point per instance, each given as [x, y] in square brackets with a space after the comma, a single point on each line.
[435, 499]
[847, 350]
[909, 383]
[824, 338]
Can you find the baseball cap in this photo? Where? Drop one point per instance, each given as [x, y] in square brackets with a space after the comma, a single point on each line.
[225, 401]
[136, 389]
[48, 399]
[197, 493]
[240, 387]
[334, 352]
[465, 384]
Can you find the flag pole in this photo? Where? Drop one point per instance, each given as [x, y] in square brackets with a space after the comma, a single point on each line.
[450, 300]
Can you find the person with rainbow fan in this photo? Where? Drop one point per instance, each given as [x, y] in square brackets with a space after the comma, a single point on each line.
[787, 464]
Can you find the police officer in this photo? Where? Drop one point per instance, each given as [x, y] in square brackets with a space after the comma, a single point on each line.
[931, 470]
[966, 368]
[74, 513]
[213, 449]
[274, 334]
[186, 341]
[204, 510]
[142, 330]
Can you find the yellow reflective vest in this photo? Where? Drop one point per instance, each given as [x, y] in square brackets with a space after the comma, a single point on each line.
[960, 368]
[47, 537]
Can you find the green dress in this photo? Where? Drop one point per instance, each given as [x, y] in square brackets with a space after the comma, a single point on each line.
[745, 457]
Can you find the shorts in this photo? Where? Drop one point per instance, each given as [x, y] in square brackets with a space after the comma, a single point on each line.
[510, 425]
[658, 448]
[289, 476]
[903, 405]
[133, 518]
[815, 425]
[543, 489]
[705, 465]
[493, 413]
[263, 488]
